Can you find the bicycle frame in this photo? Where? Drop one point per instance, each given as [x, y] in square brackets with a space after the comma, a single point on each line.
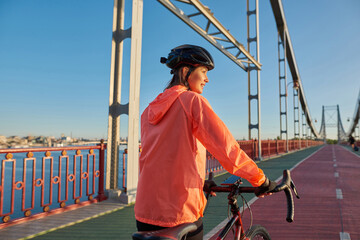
[239, 230]
[235, 190]
[234, 221]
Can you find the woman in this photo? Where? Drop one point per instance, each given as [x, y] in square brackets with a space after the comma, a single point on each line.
[175, 130]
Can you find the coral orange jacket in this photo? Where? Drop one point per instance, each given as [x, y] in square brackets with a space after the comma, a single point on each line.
[175, 127]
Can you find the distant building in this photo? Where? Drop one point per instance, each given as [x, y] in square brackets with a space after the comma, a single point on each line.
[3, 143]
[66, 139]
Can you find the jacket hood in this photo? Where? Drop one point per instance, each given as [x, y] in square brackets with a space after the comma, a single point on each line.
[162, 103]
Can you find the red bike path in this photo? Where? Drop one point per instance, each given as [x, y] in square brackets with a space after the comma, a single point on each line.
[328, 183]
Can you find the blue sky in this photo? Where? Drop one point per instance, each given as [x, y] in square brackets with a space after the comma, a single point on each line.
[55, 63]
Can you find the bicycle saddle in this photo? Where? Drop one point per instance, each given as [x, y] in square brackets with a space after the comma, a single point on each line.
[173, 233]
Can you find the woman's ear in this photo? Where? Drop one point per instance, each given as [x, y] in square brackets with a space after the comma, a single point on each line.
[184, 70]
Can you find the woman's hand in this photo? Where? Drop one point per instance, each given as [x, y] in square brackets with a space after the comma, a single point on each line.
[266, 188]
[207, 187]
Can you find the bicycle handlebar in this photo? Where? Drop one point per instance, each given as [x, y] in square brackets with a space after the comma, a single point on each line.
[286, 185]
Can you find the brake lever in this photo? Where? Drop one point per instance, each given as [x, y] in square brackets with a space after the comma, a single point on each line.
[292, 185]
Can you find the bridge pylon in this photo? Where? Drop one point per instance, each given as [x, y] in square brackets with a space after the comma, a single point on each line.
[131, 108]
[331, 119]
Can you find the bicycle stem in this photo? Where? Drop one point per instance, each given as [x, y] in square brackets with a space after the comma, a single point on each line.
[233, 204]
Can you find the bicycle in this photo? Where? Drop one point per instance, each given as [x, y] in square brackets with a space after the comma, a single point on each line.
[235, 190]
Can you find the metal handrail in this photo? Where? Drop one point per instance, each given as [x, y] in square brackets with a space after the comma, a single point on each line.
[32, 179]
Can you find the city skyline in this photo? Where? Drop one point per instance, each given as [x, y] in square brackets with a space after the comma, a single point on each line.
[55, 63]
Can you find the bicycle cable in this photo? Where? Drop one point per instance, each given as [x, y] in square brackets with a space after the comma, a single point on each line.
[243, 210]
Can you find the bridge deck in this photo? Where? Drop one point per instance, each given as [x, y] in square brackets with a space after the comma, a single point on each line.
[318, 213]
[328, 184]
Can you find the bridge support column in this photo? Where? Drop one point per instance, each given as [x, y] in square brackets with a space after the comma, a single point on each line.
[115, 109]
[283, 105]
[131, 108]
[132, 173]
[296, 113]
[256, 95]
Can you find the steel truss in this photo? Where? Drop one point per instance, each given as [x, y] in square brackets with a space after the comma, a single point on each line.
[213, 31]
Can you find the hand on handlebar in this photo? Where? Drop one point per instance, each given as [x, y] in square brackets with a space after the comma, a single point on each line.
[266, 188]
[208, 185]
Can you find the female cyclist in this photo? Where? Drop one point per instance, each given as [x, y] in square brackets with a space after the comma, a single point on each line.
[176, 129]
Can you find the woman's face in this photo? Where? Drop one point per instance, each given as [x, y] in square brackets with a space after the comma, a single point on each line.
[198, 79]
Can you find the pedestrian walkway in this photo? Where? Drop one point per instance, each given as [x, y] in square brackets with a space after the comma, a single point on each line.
[352, 150]
[58, 221]
[328, 184]
[115, 221]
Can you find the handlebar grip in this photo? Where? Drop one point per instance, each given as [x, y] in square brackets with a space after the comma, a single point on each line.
[290, 205]
[286, 185]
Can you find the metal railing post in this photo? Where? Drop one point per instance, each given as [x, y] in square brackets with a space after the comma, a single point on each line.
[101, 191]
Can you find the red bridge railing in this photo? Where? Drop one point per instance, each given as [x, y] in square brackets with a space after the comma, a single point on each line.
[66, 175]
[269, 148]
[32, 179]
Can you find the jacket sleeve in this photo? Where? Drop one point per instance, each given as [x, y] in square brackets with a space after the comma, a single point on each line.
[218, 140]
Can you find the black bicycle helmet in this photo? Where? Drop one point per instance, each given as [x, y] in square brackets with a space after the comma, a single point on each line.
[188, 55]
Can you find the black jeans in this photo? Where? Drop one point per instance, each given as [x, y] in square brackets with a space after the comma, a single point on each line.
[195, 235]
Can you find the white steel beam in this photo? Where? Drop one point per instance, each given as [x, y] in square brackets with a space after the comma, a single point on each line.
[131, 108]
[132, 173]
[225, 35]
[113, 141]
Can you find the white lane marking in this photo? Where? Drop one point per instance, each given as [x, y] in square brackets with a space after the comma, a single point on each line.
[336, 174]
[339, 194]
[344, 236]
[335, 165]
